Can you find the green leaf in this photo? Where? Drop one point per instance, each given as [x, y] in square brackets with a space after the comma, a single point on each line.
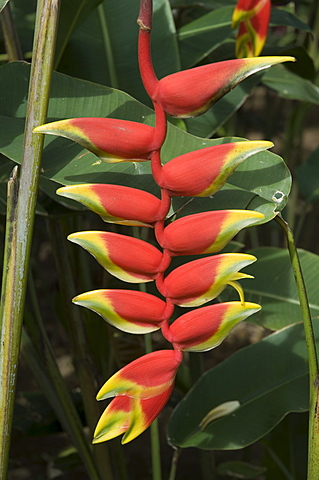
[240, 470]
[281, 17]
[254, 184]
[199, 38]
[290, 85]
[3, 4]
[274, 286]
[72, 13]
[269, 379]
[106, 43]
[307, 175]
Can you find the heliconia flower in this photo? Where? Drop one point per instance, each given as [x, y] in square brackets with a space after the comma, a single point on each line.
[252, 17]
[205, 328]
[112, 140]
[116, 203]
[192, 92]
[203, 172]
[200, 281]
[206, 232]
[146, 377]
[131, 311]
[130, 415]
[127, 258]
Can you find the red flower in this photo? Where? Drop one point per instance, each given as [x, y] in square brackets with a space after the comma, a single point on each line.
[252, 17]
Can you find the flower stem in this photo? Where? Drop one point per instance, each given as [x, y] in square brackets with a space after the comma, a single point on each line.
[313, 439]
[19, 245]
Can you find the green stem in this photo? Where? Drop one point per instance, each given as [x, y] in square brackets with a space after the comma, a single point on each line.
[19, 246]
[108, 47]
[313, 440]
[175, 458]
[11, 40]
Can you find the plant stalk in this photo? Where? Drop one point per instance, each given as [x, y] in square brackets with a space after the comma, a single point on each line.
[19, 245]
[313, 438]
[11, 40]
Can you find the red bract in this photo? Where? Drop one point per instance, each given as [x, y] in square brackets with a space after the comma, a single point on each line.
[205, 328]
[252, 17]
[192, 92]
[127, 258]
[116, 203]
[146, 377]
[110, 139]
[130, 415]
[203, 172]
[200, 281]
[128, 310]
[206, 232]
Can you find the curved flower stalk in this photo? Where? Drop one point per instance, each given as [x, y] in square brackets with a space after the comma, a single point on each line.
[142, 388]
[252, 19]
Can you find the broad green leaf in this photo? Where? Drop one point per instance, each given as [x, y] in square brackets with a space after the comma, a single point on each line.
[199, 38]
[274, 287]
[269, 379]
[106, 43]
[254, 185]
[307, 175]
[289, 85]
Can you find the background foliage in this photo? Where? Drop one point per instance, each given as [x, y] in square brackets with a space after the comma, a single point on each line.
[96, 62]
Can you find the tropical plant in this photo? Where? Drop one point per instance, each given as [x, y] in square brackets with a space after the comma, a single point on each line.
[184, 197]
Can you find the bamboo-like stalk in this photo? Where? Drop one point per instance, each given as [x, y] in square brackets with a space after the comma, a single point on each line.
[19, 246]
[313, 436]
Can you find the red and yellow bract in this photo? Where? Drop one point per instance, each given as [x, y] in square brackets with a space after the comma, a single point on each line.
[128, 310]
[202, 280]
[252, 19]
[116, 203]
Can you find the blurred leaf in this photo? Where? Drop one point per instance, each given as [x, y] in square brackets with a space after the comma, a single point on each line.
[269, 379]
[290, 85]
[253, 185]
[304, 65]
[307, 175]
[240, 470]
[274, 287]
[280, 17]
